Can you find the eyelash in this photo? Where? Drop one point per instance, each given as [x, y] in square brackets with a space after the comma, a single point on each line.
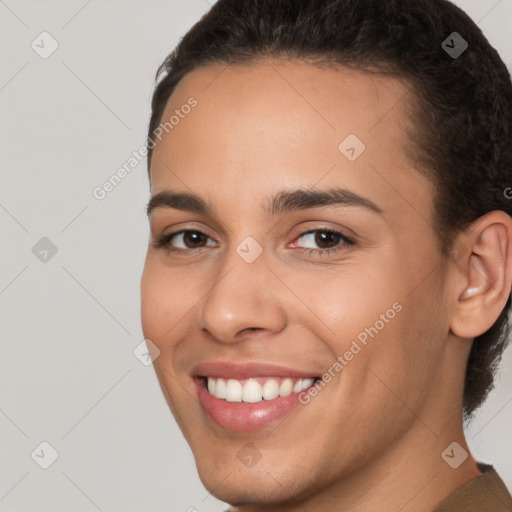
[164, 241]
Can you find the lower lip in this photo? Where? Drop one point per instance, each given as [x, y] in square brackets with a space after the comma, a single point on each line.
[242, 416]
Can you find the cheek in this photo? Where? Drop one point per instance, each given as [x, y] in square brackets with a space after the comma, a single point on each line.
[161, 306]
[345, 301]
[370, 318]
[398, 363]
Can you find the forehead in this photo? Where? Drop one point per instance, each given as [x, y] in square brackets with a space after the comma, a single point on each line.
[275, 96]
[274, 122]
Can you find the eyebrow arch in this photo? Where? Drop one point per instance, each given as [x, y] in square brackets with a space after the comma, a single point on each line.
[179, 201]
[303, 199]
[283, 202]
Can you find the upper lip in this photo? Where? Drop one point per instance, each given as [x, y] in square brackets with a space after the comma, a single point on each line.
[228, 369]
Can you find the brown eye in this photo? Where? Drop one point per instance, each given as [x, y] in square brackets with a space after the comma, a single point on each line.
[327, 239]
[193, 239]
[184, 241]
[322, 242]
[322, 239]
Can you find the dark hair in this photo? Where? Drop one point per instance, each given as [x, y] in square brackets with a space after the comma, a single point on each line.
[462, 104]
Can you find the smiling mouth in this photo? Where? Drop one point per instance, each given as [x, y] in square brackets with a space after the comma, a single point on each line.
[255, 389]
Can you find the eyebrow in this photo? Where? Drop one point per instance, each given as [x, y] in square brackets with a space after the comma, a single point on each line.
[284, 201]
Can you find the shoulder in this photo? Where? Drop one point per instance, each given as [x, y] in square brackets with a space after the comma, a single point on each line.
[487, 493]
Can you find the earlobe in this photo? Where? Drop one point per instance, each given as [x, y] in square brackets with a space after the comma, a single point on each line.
[486, 275]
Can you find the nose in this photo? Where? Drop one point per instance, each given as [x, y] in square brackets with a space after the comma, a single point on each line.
[242, 297]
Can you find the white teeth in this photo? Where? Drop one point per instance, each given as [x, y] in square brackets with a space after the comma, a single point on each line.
[251, 391]
[220, 388]
[307, 383]
[270, 389]
[233, 391]
[286, 387]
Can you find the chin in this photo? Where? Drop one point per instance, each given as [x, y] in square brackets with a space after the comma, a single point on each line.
[262, 484]
[253, 489]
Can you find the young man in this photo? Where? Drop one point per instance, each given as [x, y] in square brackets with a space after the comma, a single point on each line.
[330, 261]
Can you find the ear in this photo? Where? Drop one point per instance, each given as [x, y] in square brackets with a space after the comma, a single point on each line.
[484, 274]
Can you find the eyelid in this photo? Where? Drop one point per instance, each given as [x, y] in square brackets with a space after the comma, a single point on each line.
[180, 227]
[179, 220]
[312, 227]
[163, 241]
[343, 242]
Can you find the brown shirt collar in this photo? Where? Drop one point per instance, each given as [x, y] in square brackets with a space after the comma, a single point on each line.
[487, 493]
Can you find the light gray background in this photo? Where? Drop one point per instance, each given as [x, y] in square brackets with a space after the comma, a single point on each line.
[70, 325]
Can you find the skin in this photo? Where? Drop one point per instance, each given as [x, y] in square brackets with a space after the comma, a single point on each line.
[372, 438]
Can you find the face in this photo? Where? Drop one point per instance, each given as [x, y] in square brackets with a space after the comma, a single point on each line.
[296, 297]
